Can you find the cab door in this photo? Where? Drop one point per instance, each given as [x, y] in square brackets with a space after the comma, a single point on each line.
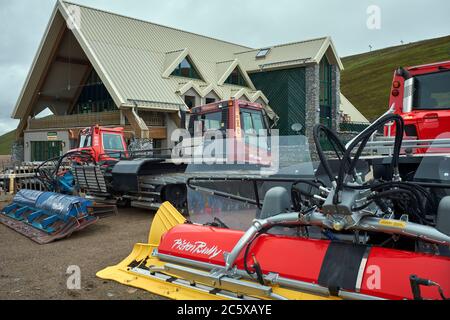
[431, 104]
[255, 134]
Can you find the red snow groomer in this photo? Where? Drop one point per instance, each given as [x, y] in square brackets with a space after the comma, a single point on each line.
[350, 228]
[421, 96]
[102, 144]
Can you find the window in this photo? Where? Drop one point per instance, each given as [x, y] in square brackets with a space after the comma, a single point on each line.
[201, 123]
[85, 141]
[112, 142]
[236, 78]
[45, 150]
[190, 101]
[153, 119]
[157, 146]
[258, 123]
[212, 121]
[325, 92]
[210, 100]
[247, 124]
[185, 69]
[262, 53]
[252, 122]
[94, 97]
[432, 91]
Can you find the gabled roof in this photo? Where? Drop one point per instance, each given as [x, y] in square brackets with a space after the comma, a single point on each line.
[290, 55]
[207, 89]
[135, 58]
[185, 87]
[238, 94]
[225, 68]
[259, 95]
[130, 56]
[38, 65]
[173, 60]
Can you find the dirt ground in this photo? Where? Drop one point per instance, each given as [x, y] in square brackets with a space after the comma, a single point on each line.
[32, 271]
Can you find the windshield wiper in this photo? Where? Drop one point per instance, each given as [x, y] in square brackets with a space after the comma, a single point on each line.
[217, 223]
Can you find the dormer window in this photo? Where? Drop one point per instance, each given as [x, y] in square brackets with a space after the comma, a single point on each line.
[262, 53]
[236, 78]
[186, 69]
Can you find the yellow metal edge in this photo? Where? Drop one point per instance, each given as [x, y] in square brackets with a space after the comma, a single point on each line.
[121, 274]
[165, 219]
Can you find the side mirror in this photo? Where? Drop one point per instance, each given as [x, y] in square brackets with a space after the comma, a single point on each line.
[297, 127]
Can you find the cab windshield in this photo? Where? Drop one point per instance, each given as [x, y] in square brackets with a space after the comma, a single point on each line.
[432, 91]
[201, 123]
[112, 142]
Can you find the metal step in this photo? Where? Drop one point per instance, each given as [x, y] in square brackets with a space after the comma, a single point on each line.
[90, 178]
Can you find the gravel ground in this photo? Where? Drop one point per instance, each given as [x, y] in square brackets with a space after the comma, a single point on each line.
[32, 271]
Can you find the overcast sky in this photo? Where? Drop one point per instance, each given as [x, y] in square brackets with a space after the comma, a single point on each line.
[254, 23]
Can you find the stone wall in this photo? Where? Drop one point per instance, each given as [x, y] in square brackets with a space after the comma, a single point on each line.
[312, 105]
[17, 151]
[336, 96]
[313, 102]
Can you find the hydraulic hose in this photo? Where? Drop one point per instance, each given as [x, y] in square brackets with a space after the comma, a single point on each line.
[335, 142]
[362, 141]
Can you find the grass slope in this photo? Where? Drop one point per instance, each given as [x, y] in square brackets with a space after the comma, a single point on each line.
[367, 78]
[6, 142]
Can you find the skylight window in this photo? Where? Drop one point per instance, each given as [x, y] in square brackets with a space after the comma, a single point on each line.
[262, 53]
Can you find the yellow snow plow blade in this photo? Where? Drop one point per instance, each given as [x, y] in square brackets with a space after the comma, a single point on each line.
[161, 278]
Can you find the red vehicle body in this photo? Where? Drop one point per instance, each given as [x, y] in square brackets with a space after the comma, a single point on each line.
[386, 273]
[240, 122]
[102, 143]
[421, 95]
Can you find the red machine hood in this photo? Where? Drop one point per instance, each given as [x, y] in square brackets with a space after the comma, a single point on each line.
[379, 272]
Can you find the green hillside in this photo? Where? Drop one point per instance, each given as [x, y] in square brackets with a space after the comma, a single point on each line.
[6, 141]
[366, 80]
